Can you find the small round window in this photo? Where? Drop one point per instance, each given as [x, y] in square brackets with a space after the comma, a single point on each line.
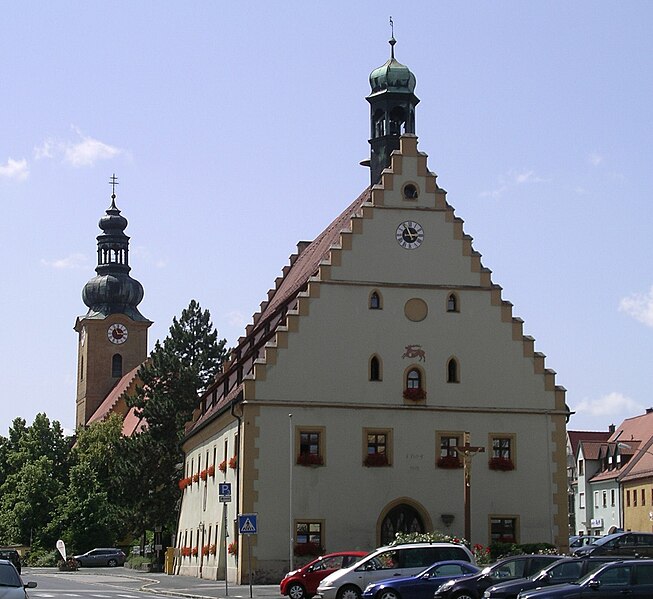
[410, 191]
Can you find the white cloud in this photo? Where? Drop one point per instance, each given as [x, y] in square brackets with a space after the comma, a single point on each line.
[511, 180]
[236, 319]
[613, 404]
[595, 159]
[639, 306]
[74, 261]
[84, 151]
[14, 169]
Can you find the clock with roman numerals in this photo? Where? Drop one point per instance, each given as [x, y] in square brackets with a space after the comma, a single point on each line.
[409, 235]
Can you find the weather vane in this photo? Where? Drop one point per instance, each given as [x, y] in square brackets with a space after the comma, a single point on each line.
[113, 182]
[392, 27]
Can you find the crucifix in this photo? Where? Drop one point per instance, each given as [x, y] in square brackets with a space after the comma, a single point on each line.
[467, 451]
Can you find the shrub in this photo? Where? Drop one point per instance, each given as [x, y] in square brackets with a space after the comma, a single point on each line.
[42, 558]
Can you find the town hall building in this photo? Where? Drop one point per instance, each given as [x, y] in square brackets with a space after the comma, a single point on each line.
[382, 349]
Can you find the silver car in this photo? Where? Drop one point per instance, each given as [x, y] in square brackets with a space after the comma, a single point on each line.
[11, 583]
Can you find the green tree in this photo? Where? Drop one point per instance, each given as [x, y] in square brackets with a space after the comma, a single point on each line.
[87, 513]
[35, 474]
[176, 372]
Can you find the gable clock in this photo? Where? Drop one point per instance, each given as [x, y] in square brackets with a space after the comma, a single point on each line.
[409, 235]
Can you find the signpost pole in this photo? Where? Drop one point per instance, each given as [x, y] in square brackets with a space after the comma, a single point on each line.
[226, 541]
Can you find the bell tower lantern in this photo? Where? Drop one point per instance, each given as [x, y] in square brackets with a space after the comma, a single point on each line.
[392, 110]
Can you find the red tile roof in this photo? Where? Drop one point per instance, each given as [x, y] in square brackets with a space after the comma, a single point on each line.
[283, 297]
[110, 401]
[575, 437]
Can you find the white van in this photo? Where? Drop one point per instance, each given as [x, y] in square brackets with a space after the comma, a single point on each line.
[386, 562]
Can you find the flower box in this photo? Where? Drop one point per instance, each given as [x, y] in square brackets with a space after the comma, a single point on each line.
[196, 478]
[185, 551]
[206, 549]
[211, 470]
[213, 549]
[194, 551]
[308, 549]
[232, 548]
[223, 466]
[449, 461]
[184, 482]
[204, 474]
[233, 462]
[310, 459]
[415, 394]
[500, 464]
[373, 460]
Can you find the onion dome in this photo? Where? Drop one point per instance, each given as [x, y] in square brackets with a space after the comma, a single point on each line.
[392, 76]
[112, 290]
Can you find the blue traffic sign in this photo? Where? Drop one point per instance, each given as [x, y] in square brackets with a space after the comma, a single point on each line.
[224, 491]
[247, 524]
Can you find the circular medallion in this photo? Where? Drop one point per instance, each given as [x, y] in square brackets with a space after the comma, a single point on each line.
[117, 333]
[409, 235]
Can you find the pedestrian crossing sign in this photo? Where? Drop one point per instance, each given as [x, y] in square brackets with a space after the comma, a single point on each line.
[247, 524]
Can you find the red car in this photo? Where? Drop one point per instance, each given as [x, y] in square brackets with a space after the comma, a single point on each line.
[302, 583]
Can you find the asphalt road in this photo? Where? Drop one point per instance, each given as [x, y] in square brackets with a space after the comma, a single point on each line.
[124, 583]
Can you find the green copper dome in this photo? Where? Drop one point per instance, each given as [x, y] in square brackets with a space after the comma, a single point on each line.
[392, 76]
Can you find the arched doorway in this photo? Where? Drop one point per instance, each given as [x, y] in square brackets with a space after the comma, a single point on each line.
[401, 518]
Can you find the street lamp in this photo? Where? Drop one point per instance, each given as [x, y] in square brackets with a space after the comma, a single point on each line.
[467, 452]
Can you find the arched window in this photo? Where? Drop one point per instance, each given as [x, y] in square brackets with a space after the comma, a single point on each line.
[452, 303]
[375, 300]
[414, 379]
[452, 371]
[116, 366]
[375, 369]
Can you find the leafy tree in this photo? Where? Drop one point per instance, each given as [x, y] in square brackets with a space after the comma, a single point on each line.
[87, 514]
[35, 473]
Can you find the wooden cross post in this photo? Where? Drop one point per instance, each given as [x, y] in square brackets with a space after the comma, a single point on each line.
[467, 452]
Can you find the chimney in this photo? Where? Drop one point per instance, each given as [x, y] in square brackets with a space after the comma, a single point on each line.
[611, 429]
[649, 410]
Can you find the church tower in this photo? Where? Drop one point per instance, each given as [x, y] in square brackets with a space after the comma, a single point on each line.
[392, 110]
[113, 333]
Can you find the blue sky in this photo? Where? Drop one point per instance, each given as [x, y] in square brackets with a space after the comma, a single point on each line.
[236, 129]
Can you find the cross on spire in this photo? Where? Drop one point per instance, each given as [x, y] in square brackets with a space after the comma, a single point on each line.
[113, 182]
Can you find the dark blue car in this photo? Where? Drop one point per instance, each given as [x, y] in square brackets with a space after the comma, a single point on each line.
[422, 585]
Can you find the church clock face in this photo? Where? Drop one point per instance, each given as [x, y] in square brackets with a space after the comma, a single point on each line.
[409, 235]
[117, 333]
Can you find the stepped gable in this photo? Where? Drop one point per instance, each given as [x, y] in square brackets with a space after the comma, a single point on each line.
[107, 407]
[266, 322]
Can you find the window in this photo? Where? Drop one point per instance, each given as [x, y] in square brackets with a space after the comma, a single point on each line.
[413, 379]
[447, 456]
[375, 301]
[375, 369]
[309, 451]
[410, 192]
[452, 371]
[502, 456]
[308, 538]
[377, 447]
[503, 529]
[596, 499]
[627, 498]
[116, 366]
[452, 303]
[581, 468]
[643, 497]
[612, 497]
[634, 497]
[605, 499]
[581, 501]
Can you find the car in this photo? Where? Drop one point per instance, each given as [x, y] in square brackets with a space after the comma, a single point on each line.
[11, 584]
[508, 568]
[302, 583]
[577, 541]
[110, 556]
[11, 555]
[567, 569]
[620, 544]
[422, 585]
[615, 580]
[399, 560]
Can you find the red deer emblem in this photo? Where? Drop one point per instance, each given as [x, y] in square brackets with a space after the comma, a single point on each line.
[415, 351]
